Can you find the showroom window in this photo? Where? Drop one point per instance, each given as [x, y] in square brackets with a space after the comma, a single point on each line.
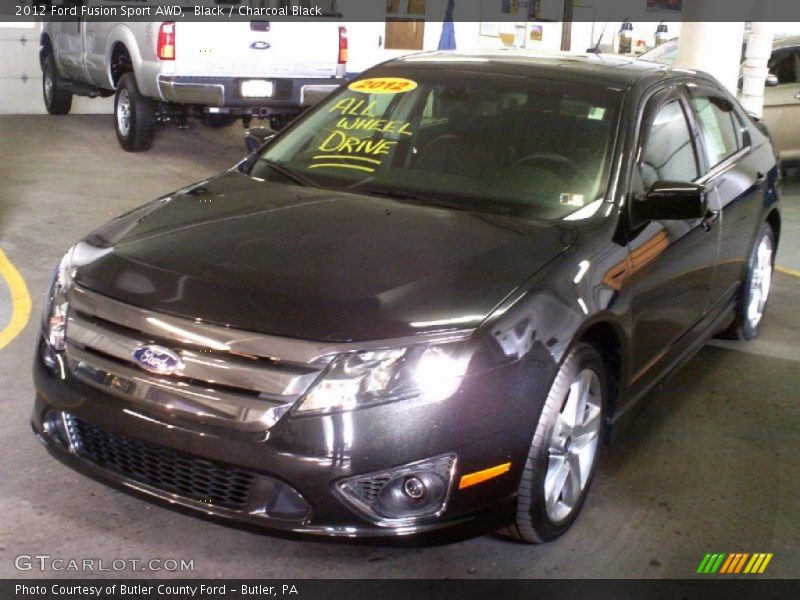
[668, 152]
[405, 24]
[785, 65]
[720, 128]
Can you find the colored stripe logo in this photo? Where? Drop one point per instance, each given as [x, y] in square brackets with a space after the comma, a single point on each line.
[736, 562]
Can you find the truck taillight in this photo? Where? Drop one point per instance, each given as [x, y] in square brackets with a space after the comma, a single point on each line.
[343, 54]
[166, 41]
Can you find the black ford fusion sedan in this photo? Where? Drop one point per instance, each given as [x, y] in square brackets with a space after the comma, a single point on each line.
[418, 309]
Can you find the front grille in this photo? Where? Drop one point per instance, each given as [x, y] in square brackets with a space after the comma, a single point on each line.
[224, 377]
[162, 468]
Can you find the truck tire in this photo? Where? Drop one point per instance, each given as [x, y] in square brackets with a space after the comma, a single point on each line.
[134, 116]
[56, 100]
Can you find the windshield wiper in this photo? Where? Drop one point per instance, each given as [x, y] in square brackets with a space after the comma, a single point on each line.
[412, 198]
[288, 172]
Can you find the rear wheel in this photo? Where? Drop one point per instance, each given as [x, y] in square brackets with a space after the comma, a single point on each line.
[56, 100]
[563, 455]
[134, 116]
[754, 290]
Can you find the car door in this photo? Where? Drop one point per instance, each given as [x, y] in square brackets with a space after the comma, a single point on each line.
[782, 102]
[69, 43]
[732, 181]
[673, 261]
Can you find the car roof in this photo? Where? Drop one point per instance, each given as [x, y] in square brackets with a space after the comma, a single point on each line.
[780, 41]
[786, 40]
[602, 69]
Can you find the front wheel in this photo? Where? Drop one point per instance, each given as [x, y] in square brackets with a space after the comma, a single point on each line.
[134, 116]
[56, 100]
[563, 455]
[751, 302]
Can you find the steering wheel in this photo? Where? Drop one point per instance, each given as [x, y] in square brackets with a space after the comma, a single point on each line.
[557, 164]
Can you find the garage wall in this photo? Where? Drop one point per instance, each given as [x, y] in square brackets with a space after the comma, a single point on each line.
[21, 76]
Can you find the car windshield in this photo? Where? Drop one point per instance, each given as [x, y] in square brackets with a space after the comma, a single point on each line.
[514, 144]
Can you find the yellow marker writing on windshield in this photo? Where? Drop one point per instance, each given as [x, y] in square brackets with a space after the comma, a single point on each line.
[383, 85]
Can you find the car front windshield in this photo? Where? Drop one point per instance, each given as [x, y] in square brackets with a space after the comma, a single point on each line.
[468, 139]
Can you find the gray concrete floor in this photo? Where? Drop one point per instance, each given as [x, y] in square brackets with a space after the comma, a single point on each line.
[710, 464]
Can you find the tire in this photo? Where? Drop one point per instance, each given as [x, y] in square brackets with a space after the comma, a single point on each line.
[545, 509]
[56, 100]
[751, 301]
[218, 121]
[134, 116]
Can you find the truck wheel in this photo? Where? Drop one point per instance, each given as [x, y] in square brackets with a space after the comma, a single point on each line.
[218, 121]
[134, 116]
[56, 100]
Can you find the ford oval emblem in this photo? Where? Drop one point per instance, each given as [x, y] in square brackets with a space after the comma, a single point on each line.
[157, 359]
[260, 45]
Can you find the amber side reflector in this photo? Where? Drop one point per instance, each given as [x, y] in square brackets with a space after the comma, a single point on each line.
[477, 477]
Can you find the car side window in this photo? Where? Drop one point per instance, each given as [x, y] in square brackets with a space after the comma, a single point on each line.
[785, 65]
[667, 151]
[719, 126]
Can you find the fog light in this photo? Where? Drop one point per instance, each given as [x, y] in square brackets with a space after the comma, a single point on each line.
[403, 494]
[414, 488]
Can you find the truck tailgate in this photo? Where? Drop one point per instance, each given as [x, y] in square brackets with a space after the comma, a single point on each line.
[240, 49]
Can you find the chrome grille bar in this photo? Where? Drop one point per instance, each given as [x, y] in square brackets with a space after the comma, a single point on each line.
[172, 397]
[264, 376]
[230, 378]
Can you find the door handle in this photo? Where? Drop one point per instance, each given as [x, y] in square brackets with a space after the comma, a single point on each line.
[712, 216]
[761, 178]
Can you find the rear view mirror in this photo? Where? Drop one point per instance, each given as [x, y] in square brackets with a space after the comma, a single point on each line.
[256, 137]
[772, 80]
[673, 200]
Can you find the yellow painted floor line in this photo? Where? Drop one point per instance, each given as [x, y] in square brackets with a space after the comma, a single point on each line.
[20, 301]
[788, 271]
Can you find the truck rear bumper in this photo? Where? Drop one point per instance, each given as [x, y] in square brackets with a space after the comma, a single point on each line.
[288, 94]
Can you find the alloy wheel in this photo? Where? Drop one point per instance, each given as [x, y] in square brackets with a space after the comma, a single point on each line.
[760, 281]
[573, 446]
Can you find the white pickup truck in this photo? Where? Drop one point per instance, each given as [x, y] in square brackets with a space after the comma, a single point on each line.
[167, 71]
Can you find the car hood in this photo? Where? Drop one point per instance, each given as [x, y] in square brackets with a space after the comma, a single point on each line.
[315, 264]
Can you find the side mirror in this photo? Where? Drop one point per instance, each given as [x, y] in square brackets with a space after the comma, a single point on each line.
[771, 81]
[673, 200]
[256, 137]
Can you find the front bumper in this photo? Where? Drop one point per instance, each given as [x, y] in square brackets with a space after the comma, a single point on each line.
[481, 425]
[288, 95]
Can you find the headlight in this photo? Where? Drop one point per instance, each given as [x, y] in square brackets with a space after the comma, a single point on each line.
[55, 315]
[358, 379]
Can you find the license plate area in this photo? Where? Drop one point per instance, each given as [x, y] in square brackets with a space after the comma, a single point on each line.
[256, 88]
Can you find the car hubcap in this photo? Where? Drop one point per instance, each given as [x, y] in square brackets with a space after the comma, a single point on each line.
[49, 86]
[573, 446]
[124, 112]
[760, 281]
